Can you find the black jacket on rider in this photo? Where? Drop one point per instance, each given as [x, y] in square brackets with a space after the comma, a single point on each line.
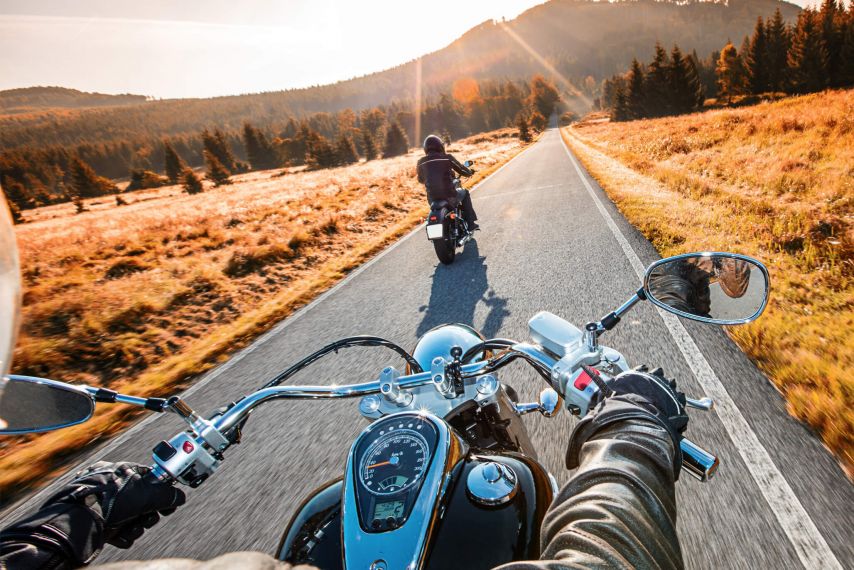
[436, 172]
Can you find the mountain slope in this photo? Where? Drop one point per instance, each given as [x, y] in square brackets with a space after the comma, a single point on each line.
[28, 99]
[574, 38]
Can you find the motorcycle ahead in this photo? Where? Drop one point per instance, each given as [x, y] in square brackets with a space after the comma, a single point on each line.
[446, 227]
[444, 475]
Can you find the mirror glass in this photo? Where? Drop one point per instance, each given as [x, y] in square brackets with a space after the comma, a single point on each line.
[719, 288]
[468, 163]
[30, 405]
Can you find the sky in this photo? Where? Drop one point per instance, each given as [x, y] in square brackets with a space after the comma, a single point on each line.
[204, 48]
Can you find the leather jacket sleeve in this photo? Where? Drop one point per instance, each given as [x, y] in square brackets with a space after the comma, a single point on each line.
[619, 509]
[458, 167]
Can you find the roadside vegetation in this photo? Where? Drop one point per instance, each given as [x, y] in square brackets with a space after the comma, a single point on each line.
[144, 296]
[775, 181]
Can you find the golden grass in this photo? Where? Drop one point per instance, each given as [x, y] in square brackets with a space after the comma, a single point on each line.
[142, 298]
[775, 181]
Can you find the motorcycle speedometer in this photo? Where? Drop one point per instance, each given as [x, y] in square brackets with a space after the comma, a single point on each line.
[394, 462]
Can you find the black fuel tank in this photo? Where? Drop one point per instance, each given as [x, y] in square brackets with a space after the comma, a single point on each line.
[469, 535]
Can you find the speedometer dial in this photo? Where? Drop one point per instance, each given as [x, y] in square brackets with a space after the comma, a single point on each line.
[394, 462]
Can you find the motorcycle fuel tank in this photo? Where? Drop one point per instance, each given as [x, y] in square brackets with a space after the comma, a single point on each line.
[470, 534]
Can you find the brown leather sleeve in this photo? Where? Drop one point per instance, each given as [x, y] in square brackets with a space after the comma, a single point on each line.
[619, 509]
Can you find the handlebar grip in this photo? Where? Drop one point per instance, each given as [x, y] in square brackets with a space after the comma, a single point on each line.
[698, 462]
[159, 474]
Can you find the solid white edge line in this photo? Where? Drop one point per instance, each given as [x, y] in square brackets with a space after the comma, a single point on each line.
[806, 539]
[10, 513]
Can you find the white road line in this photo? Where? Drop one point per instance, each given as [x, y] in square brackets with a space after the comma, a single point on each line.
[17, 509]
[808, 542]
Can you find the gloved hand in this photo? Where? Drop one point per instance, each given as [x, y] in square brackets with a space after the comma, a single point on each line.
[633, 395]
[110, 503]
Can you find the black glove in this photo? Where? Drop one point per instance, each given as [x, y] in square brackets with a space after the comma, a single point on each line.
[109, 503]
[634, 395]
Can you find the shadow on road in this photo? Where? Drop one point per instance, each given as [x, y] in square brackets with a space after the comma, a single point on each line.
[456, 291]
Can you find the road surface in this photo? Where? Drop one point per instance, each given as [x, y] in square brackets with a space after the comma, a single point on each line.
[551, 240]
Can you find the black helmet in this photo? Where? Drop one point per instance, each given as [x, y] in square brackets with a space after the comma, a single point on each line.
[433, 144]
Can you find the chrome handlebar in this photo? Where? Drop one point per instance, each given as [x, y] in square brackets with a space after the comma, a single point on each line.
[696, 461]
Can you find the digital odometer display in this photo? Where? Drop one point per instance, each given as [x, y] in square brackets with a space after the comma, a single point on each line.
[392, 509]
[394, 462]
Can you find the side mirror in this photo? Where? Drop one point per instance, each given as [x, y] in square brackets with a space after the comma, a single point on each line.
[468, 163]
[717, 288]
[33, 405]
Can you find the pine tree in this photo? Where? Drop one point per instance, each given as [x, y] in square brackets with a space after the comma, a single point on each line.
[172, 163]
[730, 73]
[396, 142]
[846, 59]
[368, 145]
[634, 96]
[756, 62]
[524, 133]
[622, 110]
[259, 151]
[778, 41]
[657, 85]
[808, 56]
[695, 89]
[217, 172]
[345, 150]
[86, 184]
[832, 22]
[683, 86]
[216, 144]
[320, 153]
[192, 184]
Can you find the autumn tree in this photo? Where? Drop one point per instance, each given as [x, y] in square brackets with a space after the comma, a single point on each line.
[846, 63]
[807, 56]
[191, 182]
[320, 153]
[544, 96]
[522, 125]
[217, 172]
[396, 142]
[143, 179]
[730, 73]
[345, 150]
[831, 22]
[216, 145]
[172, 163]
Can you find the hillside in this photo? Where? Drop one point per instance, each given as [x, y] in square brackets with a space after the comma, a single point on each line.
[576, 38]
[29, 99]
[773, 181]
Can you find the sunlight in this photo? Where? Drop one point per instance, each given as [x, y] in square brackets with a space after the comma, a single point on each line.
[542, 61]
[418, 89]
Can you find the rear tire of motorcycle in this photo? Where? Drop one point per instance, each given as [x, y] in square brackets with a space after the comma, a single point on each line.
[445, 250]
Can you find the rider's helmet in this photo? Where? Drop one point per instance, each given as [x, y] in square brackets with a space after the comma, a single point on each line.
[433, 144]
[733, 276]
[10, 292]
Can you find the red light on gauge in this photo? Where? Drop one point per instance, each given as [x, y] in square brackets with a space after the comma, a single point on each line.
[188, 447]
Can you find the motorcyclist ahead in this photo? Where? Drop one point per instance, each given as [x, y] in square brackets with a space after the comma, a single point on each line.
[617, 511]
[436, 171]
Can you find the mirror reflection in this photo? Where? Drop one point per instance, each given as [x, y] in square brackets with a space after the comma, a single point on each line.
[714, 287]
[33, 405]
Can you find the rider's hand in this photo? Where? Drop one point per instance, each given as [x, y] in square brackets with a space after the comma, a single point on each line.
[110, 503]
[634, 395]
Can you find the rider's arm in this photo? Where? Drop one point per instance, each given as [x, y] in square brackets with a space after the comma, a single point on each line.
[459, 167]
[420, 170]
[108, 503]
[619, 508]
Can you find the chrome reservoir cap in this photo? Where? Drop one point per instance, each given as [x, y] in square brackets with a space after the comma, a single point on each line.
[492, 483]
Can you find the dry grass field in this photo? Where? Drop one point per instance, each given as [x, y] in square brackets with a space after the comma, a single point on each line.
[775, 181]
[143, 297]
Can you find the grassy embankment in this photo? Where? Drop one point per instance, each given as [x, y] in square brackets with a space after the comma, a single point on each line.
[144, 297]
[775, 181]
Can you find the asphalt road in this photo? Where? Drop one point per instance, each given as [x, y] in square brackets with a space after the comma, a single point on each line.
[545, 245]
